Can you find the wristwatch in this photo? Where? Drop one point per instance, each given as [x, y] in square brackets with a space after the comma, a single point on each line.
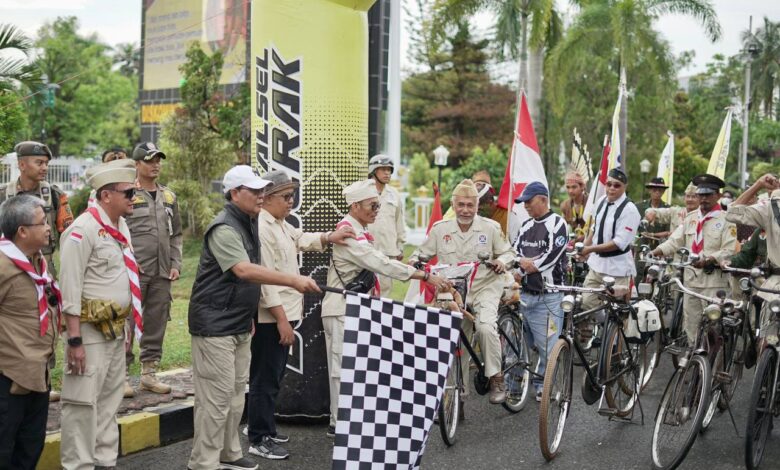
[74, 341]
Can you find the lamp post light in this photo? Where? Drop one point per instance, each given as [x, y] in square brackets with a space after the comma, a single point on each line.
[440, 155]
[644, 168]
[752, 52]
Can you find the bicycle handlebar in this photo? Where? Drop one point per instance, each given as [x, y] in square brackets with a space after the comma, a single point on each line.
[762, 289]
[713, 300]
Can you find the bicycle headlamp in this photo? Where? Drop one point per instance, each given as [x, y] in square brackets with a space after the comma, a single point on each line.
[744, 284]
[654, 272]
[567, 303]
[774, 306]
[712, 312]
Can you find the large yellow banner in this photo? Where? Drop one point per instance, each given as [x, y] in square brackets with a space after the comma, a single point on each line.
[170, 26]
[309, 80]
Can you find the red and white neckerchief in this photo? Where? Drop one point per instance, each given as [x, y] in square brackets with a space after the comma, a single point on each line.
[40, 280]
[132, 272]
[698, 239]
[364, 238]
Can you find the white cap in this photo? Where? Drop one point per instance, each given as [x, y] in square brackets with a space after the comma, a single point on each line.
[360, 191]
[242, 175]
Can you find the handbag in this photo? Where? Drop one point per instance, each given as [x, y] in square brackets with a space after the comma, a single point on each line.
[363, 283]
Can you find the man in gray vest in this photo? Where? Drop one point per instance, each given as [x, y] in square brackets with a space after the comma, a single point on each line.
[33, 159]
[222, 311]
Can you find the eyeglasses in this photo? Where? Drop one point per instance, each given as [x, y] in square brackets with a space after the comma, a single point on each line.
[374, 206]
[615, 185]
[129, 193]
[287, 197]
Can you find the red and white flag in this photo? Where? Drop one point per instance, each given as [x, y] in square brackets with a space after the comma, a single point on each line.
[420, 292]
[599, 186]
[524, 167]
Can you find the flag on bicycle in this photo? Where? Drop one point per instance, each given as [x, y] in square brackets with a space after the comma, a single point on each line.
[420, 292]
[394, 365]
[524, 167]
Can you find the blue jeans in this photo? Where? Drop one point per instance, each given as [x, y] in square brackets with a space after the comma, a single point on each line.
[543, 324]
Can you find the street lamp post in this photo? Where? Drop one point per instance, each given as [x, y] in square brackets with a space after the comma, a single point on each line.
[440, 155]
[752, 52]
[644, 168]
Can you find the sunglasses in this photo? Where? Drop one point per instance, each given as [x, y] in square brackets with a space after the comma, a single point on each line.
[287, 197]
[615, 185]
[374, 206]
[128, 193]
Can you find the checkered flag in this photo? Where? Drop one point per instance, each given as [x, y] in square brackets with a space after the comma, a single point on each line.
[394, 363]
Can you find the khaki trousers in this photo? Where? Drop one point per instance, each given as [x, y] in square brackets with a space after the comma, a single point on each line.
[385, 285]
[156, 295]
[334, 343]
[693, 309]
[220, 370]
[90, 435]
[595, 280]
[484, 305]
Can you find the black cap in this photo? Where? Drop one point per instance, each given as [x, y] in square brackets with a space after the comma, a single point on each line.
[657, 182]
[32, 149]
[708, 184]
[618, 174]
[146, 151]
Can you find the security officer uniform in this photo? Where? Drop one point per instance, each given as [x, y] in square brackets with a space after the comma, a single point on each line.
[55, 201]
[155, 225]
[389, 228]
[451, 246]
[94, 277]
[719, 238]
[346, 263]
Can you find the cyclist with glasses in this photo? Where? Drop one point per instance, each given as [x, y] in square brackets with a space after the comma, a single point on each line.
[461, 241]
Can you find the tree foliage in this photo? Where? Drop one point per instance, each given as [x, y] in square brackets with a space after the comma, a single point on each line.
[13, 121]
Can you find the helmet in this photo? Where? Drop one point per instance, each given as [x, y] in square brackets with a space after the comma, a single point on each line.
[379, 161]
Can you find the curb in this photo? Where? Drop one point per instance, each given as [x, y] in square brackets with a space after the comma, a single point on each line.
[152, 427]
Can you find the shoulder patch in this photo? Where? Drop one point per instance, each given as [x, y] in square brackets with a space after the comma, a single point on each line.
[75, 237]
[170, 196]
[733, 230]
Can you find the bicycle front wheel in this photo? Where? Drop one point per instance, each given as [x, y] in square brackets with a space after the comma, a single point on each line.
[680, 413]
[556, 398]
[514, 362]
[716, 390]
[449, 407]
[760, 413]
[735, 353]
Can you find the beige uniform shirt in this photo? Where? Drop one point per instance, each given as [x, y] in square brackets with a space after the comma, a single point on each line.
[720, 241]
[674, 216]
[280, 243]
[762, 216]
[452, 246]
[24, 353]
[389, 228]
[92, 267]
[350, 259]
[156, 228]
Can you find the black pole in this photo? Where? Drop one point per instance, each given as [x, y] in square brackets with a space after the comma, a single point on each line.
[644, 189]
[439, 183]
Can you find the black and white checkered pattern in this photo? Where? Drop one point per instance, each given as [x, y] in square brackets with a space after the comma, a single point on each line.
[394, 364]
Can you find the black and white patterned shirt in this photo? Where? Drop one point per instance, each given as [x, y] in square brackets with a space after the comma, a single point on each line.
[543, 240]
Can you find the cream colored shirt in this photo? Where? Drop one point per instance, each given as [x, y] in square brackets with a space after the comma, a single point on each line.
[350, 259]
[389, 228]
[720, 242]
[92, 267]
[674, 216]
[761, 215]
[280, 244]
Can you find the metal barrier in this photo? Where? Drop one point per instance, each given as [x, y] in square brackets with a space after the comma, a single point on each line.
[67, 173]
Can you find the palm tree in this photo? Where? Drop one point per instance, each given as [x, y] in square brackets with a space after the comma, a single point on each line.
[128, 57]
[628, 25]
[14, 71]
[765, 72]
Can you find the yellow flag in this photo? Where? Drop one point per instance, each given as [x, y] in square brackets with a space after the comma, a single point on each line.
[720, 153]
[666, 167]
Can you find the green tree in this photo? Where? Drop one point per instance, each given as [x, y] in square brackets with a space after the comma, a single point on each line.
[13, 121]
[128, 57]
[765, 71]
[16, 70]
[687, 164]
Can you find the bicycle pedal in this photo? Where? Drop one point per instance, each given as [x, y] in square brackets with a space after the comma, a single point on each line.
[608, 412]
[723, 377]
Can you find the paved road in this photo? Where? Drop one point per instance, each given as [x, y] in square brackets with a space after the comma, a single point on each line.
[492, 438]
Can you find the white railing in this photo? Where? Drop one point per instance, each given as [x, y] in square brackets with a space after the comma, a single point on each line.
[65, 172]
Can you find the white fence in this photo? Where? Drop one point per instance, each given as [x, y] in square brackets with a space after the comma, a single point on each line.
[67, 172]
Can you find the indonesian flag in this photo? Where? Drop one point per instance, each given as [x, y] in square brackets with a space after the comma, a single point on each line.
[419, 291]
[599, 186]
[524, 167]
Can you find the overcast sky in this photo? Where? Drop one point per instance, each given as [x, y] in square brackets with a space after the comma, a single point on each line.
[118, 21]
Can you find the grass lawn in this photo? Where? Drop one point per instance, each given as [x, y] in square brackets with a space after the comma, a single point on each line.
[177, 347]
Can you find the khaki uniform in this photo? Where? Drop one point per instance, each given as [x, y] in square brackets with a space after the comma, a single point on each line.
[93, 268]
[356, 255]
[155, 225]
[280, 244]
[389, 231]
[57, 209]
[452, 246]
[719, 242]
[674, 216]
[761, 215]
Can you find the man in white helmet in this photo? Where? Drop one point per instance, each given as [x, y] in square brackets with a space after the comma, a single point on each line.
[389, 229]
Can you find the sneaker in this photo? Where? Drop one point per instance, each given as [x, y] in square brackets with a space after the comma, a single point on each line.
[280, 438]
[245, 431]
[241, 464]
[268, 449]
[331, 432]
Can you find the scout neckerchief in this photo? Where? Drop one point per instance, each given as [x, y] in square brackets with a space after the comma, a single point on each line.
[365, 238]
[40, 280]
[698, 239]
[132, 272]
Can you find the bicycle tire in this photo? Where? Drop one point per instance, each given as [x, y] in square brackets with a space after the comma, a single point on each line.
[620, 393]
[689, 387]
[517, 379]
[760, 412]
[675, 326]
[449, 407]
[556, 398]
[651, 352]
[736, 350]
[716, 390]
